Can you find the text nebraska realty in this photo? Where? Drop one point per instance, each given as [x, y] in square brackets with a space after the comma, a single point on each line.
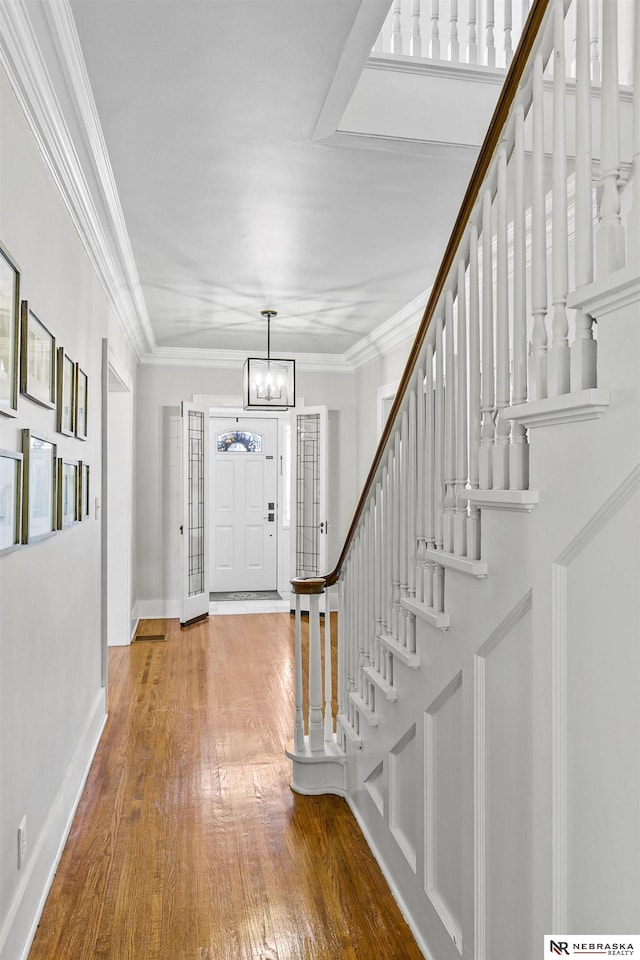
[608, 949]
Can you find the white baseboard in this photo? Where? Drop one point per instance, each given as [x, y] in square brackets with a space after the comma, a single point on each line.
[389, 878]
[24, 914]
[158, 609]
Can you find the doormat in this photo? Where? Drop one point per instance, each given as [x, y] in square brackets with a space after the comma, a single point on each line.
[246, 595]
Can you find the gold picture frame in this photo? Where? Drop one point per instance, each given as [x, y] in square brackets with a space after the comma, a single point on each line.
[9, 333]
[66, 405]
[38, 359]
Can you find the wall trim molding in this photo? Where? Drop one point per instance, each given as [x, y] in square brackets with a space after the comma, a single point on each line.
[28, 903]
[503, 629]
[559, 691]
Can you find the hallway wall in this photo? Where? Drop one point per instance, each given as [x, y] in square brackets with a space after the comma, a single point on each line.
[52, 703]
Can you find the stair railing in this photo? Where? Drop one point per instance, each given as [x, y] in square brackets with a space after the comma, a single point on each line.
[492, 355]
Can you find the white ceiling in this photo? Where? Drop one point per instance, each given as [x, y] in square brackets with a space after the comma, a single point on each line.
[208, 109]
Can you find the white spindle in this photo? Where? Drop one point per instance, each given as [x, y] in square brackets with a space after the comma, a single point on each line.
[328, 672]
[503, 384]
[430, 475]
[397, 497]
[342, 649]
[475, 416]
[390, 519]
[538, 242]
[411, 518]
[593, 43]
[416, 39]
[633, 221]
[454, 44]
[488, 395]
[421, 471]
[559, 351]
[378, 564]
[462, 449]
[435, 30]
[472, 33]
[396, 27]
[438, 581]
[508, 39]
[449, 426]
[491, 43]
[610, 236]
[519, 451]
[404, 520]
[584, 348]
[298, 726]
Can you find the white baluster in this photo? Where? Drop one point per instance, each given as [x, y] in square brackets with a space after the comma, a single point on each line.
[438, 576]
[416, 39]
[472, 33]
[377, 567]
[633, 221]
[411, 519]
[389, 556]
[397, 497]
[342, 648]
[435, 30]
[462, 450]
[610, 236]
[559, 352]
[488, 395]
[404, 515]
[430, 475]
[519, 451]
[539, 369]
[508, 26]
[328, 673]
[396, 28]
[503, 384]
[491, 43]
[584, 349]
[454, 45]
[593, 43]
[421, 469]
[475, 416]
[449, 426]
[298, 726]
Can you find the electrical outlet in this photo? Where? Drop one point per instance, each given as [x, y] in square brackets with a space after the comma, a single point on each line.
[22, 841]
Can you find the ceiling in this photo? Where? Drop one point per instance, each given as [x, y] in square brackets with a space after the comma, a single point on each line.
[210, 111]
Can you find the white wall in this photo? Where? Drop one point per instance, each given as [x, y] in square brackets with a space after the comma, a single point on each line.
[52, 702]
[157, 484]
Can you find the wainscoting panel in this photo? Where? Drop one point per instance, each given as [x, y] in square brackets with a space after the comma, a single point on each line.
[444, 807]
[503, 786]
[375, 788]
[402, 795]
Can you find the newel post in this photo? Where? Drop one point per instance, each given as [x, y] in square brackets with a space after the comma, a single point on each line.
[312, 587]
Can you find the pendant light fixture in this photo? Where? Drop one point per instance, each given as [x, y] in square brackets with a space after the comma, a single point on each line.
[269, 384]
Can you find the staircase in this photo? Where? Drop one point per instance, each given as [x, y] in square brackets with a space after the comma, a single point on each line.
[488, 653]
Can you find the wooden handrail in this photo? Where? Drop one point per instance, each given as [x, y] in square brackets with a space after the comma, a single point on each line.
[485, 157]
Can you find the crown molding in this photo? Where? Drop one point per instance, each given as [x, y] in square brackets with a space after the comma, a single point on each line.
[220, 359]
[104, 237]
[399, 328]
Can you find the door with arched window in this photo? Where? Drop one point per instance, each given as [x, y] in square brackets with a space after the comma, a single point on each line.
[244, 493]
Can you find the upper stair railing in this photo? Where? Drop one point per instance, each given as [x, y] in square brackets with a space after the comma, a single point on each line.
[498, 349]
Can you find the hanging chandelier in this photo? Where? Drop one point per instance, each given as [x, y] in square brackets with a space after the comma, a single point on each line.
[269, 384]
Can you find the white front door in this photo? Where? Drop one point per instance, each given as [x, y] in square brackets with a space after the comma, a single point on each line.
[244, 492]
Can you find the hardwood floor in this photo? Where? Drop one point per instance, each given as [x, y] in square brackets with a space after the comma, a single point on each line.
[188, 843]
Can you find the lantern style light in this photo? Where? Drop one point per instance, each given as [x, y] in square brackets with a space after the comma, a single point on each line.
[269, 384]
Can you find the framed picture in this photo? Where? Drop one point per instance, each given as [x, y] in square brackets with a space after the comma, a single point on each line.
[68, 511]
[10, 499]
[39, 487]
[82, 389]
[83, 491]
[37, 360]
[9, 333]
[66, 394]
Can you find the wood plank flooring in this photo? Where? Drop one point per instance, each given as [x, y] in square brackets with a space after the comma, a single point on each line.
[188, 843]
